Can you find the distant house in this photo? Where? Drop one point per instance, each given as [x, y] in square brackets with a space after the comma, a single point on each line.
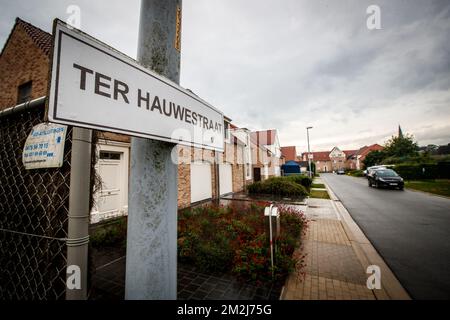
[329, 161]
[289, 153]
[321, 160]
[268, 154]
[357, 159]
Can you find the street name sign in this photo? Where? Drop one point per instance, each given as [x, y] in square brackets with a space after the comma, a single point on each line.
[95, 86]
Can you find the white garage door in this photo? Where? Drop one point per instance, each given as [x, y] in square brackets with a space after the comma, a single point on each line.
[225, 178]
[112, 199]
[201, 186]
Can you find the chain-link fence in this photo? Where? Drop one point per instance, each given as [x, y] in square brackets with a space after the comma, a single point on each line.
[34, 208]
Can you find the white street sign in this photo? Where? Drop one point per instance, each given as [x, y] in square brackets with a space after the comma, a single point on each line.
[44, 147]
[97, 87]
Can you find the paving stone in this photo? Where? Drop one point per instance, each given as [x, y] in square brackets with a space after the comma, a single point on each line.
[332, 269]
[199, 280]
[199, 295]
[327, 230]
[184, 295]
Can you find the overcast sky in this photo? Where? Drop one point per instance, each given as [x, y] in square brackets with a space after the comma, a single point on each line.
[291, 64]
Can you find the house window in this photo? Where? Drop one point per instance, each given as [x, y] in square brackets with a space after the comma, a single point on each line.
[105, 155]
[24, 92]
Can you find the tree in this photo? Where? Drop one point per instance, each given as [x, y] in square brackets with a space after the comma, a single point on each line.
[374, 157]
[401, 146]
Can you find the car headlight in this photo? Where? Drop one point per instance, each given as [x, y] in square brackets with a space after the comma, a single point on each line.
[381, 179]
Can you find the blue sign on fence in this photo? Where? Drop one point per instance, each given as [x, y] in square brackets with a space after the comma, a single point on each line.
[44, 147]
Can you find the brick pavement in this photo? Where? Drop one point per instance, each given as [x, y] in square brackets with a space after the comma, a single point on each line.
[332, 269]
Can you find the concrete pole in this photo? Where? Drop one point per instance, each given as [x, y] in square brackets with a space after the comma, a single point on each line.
[78, 224]
[151, 264]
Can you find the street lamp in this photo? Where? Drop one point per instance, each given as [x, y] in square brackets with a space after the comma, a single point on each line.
[309, 152]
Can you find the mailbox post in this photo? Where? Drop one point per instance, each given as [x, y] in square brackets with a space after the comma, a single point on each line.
[272, 217]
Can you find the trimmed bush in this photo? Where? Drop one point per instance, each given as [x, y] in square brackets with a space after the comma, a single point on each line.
[301, 180]
[441, 170]
[278, 186]
[109, 233]
[355, 173]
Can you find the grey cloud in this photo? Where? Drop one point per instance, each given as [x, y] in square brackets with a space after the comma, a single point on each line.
[289, 64]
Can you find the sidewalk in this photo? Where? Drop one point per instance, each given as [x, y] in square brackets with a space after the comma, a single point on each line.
[337, 255]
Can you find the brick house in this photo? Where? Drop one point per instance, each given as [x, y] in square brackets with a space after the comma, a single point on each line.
[204, 174]
[289, 153]
[355, 161]
[267, 158]
[243, 135]
[321, 159]
[330, 161]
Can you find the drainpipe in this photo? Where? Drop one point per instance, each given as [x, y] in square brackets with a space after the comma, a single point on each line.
[217, 176]
[78, 222]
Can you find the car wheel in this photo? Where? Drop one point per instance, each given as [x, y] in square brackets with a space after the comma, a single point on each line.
[401, 188]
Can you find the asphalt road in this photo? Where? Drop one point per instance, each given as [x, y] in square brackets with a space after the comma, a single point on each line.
[410, 230]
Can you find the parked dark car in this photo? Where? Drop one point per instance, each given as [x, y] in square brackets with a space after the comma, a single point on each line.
[387, 178]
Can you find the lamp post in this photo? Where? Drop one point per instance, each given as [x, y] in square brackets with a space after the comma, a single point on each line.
[309, 151]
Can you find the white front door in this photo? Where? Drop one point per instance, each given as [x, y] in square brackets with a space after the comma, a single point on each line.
[225, 178]
[112, 198]
[201, 181]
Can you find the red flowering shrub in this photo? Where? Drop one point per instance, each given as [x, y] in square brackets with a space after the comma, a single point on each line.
[233, 239]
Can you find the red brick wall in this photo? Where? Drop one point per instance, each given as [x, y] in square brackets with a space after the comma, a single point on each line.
[20, 62]
[186, 155]
[238, 178]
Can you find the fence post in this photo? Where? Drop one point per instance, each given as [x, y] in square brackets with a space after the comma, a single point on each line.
[78, 224]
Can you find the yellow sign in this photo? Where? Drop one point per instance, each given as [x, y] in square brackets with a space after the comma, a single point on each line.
[178, 29]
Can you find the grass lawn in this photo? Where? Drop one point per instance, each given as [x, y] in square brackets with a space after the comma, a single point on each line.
[318, 185]
[440, 187]
[319, 194]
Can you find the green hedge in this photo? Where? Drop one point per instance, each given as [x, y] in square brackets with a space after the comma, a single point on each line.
[440, 170]
[301, 180]
[109, 233]
[279, 186]
[355, 173]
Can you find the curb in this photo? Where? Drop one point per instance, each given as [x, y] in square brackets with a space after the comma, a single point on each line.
[391, 288]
